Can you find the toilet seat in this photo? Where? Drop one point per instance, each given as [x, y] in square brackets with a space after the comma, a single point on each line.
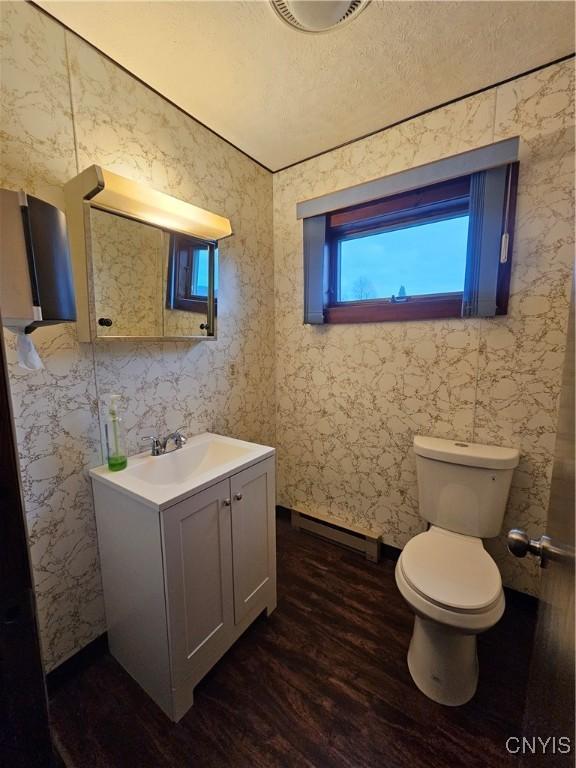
[450, 578]
[451, 570]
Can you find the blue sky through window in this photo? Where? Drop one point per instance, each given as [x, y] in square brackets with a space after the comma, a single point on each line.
[200, 280]
[428, 258]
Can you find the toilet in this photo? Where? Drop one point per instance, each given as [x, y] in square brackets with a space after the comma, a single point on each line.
[445, 574]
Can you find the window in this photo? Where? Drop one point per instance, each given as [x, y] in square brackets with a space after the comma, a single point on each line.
[438, 251]
[188, 273]
[401, 257]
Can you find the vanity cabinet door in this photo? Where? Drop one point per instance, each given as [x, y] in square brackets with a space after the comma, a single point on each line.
[198, 573]
[254, 538]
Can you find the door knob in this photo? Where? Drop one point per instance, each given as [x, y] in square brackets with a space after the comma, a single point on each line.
[520, 544]
[227, 503]
[238, 497]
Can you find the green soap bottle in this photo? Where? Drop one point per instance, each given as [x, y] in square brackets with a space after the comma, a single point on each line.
[115, 441]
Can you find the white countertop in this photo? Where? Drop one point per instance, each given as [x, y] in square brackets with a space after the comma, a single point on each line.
[161, 481]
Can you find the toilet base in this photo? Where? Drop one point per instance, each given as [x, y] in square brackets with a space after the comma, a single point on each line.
[443, 662]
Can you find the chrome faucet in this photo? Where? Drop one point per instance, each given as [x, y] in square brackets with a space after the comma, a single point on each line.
[156, 444]
[159, 444]
[177, 437]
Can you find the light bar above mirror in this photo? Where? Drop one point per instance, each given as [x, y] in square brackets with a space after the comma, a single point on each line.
[112, 192]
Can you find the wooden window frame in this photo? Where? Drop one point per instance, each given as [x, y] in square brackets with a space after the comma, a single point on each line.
[433, 307]
[433, 203]
[174, 300]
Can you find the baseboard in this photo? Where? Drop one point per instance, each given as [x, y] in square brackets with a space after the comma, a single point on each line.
[356, 538]
[76, 663]
[522, 600]
[283, 513]
[388, 552]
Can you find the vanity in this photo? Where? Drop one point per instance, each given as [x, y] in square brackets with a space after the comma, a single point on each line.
[188, 556]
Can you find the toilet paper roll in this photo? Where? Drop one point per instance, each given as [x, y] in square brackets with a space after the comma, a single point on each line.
[28, 357]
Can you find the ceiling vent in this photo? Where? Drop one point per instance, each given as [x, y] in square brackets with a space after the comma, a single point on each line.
[318, 15]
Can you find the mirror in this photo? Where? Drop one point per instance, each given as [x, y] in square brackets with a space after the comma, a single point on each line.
[149, 282]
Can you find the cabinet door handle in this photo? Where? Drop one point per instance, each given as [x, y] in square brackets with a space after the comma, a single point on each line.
[237, 497]
[227, 503]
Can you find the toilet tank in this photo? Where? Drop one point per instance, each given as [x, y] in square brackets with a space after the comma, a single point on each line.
[463, 487]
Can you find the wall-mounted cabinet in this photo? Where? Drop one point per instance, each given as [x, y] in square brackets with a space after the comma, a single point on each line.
[145, 263]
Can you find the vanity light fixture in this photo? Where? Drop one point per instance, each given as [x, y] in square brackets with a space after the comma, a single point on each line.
[118, 194]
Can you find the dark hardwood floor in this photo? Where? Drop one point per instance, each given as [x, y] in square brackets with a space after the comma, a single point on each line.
[323, 683]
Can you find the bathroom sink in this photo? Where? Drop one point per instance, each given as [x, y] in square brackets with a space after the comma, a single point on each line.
[187, 462]
[163, 480]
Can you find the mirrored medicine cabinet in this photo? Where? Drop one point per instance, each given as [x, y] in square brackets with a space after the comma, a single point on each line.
[145, 263]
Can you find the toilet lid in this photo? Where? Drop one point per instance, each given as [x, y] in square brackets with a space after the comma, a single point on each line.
[451, 569]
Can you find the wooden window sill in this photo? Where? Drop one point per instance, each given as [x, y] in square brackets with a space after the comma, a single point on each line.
[417, 308]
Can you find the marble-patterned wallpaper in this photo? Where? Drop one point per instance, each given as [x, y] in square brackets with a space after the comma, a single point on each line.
[65, 107]
[351, 397]
[55, 409]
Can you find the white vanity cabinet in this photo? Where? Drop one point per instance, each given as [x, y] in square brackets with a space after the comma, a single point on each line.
[182, 581]
[220, 570]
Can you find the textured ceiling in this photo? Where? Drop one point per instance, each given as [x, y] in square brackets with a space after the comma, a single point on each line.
[282, 95]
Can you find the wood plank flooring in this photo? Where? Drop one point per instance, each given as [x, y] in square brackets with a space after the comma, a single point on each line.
[322, 683]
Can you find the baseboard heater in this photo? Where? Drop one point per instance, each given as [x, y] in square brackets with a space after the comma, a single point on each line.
[360, 540]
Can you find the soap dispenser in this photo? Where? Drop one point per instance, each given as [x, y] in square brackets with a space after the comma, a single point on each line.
[115, 441]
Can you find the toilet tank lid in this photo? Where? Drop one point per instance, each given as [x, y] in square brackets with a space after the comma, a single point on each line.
[467, 454]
